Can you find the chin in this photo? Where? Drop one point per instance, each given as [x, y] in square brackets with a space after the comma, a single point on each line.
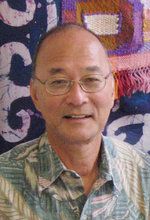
[81, 137]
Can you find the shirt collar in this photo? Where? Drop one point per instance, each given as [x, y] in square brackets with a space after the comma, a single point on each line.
[49, 166]
[108, 163]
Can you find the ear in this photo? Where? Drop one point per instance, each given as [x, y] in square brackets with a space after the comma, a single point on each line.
[113, 93]
[34, 94]
[113, 98]
[116, 87]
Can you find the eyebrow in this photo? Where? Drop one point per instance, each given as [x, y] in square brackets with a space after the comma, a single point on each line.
[90, 69]
[93, 69]
[55, 71]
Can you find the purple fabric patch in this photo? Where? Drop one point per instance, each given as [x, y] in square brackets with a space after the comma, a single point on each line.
[69, 5]
[127, 47]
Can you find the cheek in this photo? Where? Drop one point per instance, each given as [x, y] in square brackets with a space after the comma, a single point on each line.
[103, 104]
[50, 107]
[103, 100]
[107, 96]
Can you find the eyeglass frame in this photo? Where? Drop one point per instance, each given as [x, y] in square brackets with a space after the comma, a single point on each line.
[71, 82]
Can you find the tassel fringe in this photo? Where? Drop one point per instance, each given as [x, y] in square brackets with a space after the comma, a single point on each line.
[131, 81]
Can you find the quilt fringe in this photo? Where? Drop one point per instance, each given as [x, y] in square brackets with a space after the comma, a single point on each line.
[128, 82]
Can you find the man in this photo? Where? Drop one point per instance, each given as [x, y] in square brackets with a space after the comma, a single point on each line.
[72, 171]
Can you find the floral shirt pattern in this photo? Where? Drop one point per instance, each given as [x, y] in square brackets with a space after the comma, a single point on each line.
[35, 184]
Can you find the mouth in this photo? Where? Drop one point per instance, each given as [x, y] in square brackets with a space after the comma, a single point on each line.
[77, 116]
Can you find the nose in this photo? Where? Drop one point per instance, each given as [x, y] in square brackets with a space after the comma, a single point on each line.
[76, 96]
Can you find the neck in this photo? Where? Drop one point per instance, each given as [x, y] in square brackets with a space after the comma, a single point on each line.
[83, 159]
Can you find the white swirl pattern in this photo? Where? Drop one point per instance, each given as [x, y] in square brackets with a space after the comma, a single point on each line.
[9, 91]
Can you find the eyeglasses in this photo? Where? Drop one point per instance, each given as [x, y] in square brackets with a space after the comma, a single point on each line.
[90, 83]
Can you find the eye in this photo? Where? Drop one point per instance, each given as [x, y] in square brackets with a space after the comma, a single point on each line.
[92, 79]
[58, 83]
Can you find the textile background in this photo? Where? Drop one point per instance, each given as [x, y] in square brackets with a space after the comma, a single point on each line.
[124, 28]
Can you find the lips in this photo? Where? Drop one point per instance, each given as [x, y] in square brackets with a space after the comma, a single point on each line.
[77, 116]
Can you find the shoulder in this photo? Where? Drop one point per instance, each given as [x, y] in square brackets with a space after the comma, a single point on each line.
[130, 168]
[126, 152]
[18, 150]
[127, 160]
[13, 160]
[14, 164]
[18, 180]
[131, 165]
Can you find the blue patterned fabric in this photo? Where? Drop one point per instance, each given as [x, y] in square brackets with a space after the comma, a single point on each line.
[130, 120]
[21, 25]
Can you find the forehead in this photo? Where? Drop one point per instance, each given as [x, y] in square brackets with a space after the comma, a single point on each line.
[73, 47]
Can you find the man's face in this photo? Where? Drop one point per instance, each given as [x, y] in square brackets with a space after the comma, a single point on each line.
[72, 54]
